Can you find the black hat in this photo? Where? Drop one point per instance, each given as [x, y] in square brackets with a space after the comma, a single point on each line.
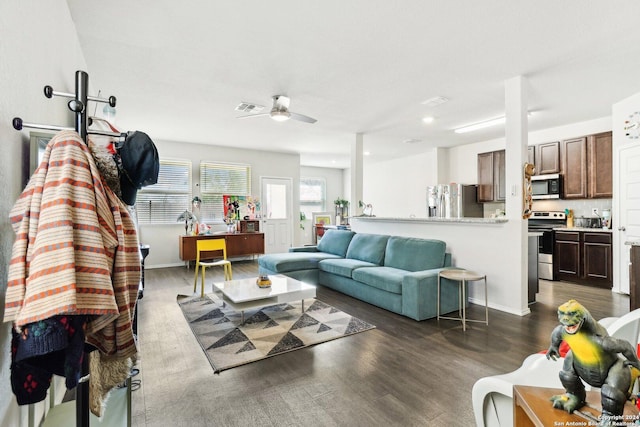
[140, 165]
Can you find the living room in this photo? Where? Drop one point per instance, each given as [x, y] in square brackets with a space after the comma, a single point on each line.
[393, 185]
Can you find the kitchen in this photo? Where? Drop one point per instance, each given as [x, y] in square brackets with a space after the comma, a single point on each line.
[572, 199]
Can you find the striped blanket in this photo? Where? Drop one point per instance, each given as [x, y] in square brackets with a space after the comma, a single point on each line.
[76, 249]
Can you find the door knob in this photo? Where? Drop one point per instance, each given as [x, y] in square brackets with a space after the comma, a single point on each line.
[622, 229]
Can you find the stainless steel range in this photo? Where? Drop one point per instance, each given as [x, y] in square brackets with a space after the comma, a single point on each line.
[544, 222]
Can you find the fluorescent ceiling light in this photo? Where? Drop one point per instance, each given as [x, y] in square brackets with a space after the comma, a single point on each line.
[428, 119]
[484, 124]
[481, 125]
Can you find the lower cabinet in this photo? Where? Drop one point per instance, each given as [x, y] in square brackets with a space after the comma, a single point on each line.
[584, 257]
[238, 244]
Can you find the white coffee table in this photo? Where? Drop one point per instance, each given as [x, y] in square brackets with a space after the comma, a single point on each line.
[244, 294]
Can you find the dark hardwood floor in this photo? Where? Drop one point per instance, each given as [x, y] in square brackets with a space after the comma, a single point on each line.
[403, 373]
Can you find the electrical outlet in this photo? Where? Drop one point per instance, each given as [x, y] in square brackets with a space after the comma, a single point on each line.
[594, 211]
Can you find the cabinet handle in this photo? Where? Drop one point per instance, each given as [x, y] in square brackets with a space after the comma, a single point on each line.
[622, 228]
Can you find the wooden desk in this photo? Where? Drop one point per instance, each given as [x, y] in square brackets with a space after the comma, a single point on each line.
[238, 244]
[532, 407]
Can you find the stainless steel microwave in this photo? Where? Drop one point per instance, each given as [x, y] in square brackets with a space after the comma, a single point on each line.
[546, 186]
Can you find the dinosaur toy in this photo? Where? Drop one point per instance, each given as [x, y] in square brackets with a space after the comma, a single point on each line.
[594, 359]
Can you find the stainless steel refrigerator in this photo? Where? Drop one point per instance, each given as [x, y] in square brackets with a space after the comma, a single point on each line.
[453, 201]
[464, 201]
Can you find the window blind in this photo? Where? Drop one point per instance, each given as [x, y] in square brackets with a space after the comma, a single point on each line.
[312, 195]
[163, 202]
[217, 180]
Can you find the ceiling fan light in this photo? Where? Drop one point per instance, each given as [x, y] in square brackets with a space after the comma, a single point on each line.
[280, 116]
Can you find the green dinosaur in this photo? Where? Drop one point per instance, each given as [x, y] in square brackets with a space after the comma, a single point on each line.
[594, 359]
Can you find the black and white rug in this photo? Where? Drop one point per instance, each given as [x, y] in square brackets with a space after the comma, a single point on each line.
[266, 332]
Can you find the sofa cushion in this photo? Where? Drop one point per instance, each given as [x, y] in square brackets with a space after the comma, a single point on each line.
[335, 242]
[411, 254]
[343, 266]
[368, 247]
[385, 278]
[292, 261]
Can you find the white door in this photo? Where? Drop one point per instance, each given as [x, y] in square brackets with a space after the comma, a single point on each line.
[277, 220]
[628, 225]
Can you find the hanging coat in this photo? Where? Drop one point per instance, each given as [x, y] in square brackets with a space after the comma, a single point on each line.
[76, 249]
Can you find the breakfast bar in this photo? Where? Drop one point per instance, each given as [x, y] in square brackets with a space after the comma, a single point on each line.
[495, 246]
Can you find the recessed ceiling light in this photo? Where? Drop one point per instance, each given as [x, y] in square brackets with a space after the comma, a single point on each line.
[367, 153]
[436, 100]
[428, 119]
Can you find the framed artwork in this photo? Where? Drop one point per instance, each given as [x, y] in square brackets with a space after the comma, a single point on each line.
[323, 218]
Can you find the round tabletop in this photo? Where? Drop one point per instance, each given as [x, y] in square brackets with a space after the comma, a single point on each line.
[461, 275]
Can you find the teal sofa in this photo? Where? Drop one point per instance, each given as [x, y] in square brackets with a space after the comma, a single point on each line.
[399, 274]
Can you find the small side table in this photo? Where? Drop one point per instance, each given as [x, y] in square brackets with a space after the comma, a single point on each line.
[462, 277]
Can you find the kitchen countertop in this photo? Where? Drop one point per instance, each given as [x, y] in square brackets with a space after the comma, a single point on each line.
[434, 220]
[591, 230]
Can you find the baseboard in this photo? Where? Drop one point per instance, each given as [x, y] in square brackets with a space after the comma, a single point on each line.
[499, 307]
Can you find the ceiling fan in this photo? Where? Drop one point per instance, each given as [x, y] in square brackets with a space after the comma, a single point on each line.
[280, 111]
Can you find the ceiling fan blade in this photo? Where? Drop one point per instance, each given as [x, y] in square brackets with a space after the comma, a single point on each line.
[253, 115]
[302, 118]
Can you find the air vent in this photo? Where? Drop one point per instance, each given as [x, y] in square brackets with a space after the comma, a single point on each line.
[412, 141]
[436, 100]
[247, 107]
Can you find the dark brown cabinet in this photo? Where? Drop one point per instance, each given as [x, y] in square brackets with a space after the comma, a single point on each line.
[600, 156]
[491, 176]
[567, 254]
[238, 244]
[547, 158]
[574, 168]
[634, 278]
[587, 164]
[583, 257]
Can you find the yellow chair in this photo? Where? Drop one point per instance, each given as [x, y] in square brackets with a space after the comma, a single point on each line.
[211, 245]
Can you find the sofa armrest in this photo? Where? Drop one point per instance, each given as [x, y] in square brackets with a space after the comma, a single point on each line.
[420, 294]
[304, 249]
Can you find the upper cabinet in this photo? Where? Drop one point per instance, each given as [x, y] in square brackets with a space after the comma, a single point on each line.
[600, 157]
[547, 158]
[587, 166]
[574, 168]
[491, 176]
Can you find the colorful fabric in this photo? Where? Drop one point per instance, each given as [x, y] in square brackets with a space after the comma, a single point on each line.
[76, 249]
[41, 349]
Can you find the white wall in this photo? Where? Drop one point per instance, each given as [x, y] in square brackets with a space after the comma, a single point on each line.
[39, 47]
[163, 239]
[398, 187]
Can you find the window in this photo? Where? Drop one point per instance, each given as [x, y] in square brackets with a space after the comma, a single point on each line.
[312, 195]
[217, 180]
[163, 202]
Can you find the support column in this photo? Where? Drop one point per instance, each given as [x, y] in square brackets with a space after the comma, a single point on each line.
[516, 135]
[357, 165]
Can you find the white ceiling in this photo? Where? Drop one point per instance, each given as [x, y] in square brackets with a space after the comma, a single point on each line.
[179, 69]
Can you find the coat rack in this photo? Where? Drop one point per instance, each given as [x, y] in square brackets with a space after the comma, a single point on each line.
[78, 105]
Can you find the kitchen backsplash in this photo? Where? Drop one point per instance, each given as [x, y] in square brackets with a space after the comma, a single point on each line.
[580, 207]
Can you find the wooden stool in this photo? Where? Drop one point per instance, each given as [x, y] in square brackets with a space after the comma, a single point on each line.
[462, 277]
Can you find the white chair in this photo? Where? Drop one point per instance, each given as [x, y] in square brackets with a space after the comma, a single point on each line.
[493, 396]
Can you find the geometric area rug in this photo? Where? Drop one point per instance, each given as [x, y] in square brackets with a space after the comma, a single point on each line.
[267, 331]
